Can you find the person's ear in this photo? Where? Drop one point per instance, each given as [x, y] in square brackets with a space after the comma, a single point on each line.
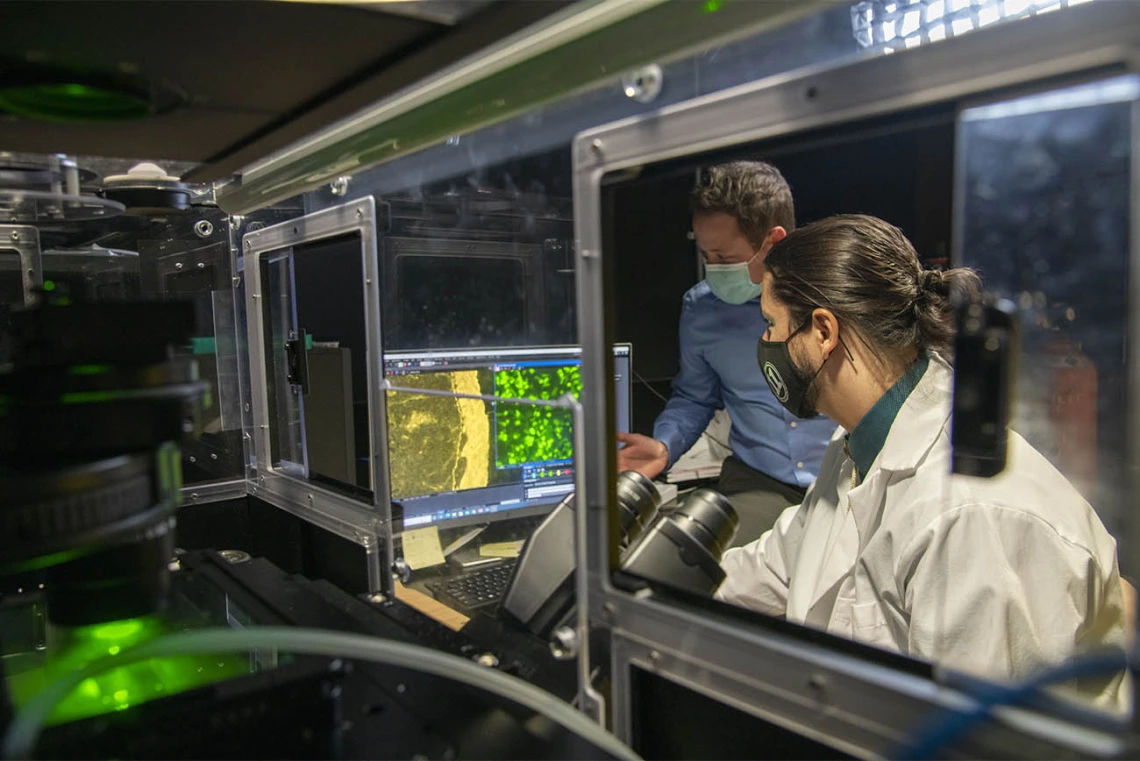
[776, 234]
[825, 330]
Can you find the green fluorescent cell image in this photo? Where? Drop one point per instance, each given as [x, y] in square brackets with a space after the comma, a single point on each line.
[527, 434]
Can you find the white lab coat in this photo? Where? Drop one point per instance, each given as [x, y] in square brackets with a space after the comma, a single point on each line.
[996, 577]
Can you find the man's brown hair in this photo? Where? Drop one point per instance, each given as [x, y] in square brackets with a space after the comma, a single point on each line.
[754, 192]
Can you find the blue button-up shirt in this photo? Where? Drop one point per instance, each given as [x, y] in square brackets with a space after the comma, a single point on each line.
[719, 370]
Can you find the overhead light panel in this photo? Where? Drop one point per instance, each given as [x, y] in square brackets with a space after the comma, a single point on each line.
[877, 24]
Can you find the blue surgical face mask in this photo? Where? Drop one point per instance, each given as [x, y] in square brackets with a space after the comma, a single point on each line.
[731, 283]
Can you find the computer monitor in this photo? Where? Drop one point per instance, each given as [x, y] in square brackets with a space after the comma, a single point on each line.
[454, 461]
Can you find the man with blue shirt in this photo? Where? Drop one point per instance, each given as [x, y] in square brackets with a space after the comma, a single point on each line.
[740, 210]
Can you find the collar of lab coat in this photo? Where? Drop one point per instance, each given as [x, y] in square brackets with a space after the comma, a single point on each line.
[913, 434]
[920, 421]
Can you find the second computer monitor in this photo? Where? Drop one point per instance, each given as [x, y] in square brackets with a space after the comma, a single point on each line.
[455, 460]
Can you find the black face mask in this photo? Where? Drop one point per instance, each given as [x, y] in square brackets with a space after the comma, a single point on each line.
[790, 385]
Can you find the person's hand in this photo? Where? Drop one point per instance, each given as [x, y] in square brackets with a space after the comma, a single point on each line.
[645, 455]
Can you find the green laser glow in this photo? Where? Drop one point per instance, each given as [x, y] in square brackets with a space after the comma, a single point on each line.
[49, 285]
[129, 685]
[88, 369]
[72, 102]
[116, 630]
[712, 6]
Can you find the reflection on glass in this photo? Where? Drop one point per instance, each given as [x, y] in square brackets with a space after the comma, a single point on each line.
[1045, 217]
[482, 260]
[285, 403]
[329, 302]
[92, 274]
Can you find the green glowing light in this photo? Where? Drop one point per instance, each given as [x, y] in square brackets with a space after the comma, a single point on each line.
[72, 102]
[115, 631]
[49, 285]
[88, 369]
[126, 686]
[712, 6]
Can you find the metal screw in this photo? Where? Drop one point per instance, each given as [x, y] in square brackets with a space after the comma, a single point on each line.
[360, 214]
[261, 479]
[817, 683]
[339, 186]
[609, 609]
[644, 84]
[203, 228]
[310, 499]
[247, 406]
[194, 497]
[178, 265]
[654, 656]
[564, 643]
[596, 145]
[236, 281]
[15, 235]
[377, 598]
[213, 457]
[201, 265]
[193, 458]
[489, 660]
[248, 245]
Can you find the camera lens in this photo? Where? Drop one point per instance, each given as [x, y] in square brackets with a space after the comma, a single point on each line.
[638, 500]
[710, 518]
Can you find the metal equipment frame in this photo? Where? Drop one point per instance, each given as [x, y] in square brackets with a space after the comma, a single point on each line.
[368, 525]
[25, 241]
[849, 702]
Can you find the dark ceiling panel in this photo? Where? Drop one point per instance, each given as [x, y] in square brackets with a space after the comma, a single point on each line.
[257, 74]
[186, 136]
[248, 54]
[479, 31]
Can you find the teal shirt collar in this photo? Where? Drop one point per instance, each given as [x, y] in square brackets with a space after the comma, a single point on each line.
[866, 441]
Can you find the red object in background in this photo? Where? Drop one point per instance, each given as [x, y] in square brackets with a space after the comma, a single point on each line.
[1072, 412]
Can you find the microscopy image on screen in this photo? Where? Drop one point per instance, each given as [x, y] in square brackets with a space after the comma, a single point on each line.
[526, 435]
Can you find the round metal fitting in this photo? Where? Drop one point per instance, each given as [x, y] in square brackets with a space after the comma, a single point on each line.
[564, 643]
[644, 84]
[203, 228]
[234, 557]
[488, 660]
[339, 186]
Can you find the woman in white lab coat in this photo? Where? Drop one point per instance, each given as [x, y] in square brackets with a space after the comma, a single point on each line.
[997, 576]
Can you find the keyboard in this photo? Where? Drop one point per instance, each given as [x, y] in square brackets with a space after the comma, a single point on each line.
[471, 591]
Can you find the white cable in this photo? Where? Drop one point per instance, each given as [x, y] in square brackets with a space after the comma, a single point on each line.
[25, 729]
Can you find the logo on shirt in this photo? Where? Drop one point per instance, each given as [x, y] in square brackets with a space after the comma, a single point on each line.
[775, 382]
